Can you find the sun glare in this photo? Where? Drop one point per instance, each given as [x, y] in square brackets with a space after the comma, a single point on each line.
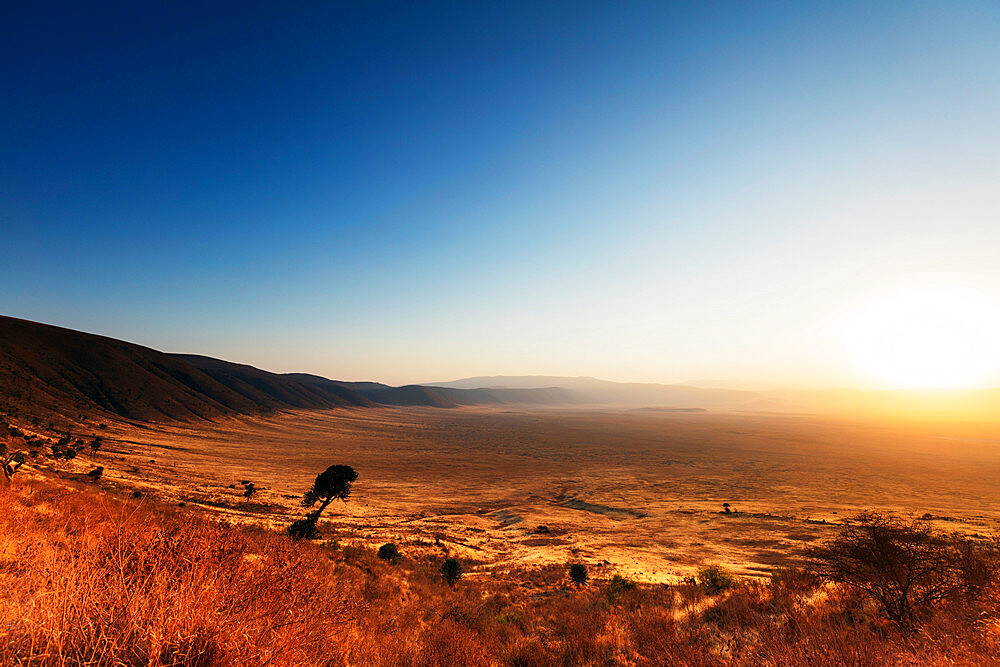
[928, 340]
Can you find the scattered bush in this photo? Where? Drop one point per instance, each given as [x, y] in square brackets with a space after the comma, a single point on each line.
[578, 574]
[451, 570]
[61, 451]
[714, 579]
[96, 473]
[904, 565]
[141, 585]
[389, 552]
[617, 587]
[304, 529]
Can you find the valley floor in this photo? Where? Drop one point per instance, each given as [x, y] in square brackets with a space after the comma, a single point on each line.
[637, 492]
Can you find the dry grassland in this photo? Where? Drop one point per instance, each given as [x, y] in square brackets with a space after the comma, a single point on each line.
[633, 491]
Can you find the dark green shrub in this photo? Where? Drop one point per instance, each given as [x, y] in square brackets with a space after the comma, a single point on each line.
[451, 570]
[617, 587]
[578, 574]
[714, 579]
[304, 529]
[389, 552]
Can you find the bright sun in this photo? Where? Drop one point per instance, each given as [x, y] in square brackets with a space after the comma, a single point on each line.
[930, 339]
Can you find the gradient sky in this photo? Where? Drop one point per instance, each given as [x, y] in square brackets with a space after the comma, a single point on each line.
[416, 192]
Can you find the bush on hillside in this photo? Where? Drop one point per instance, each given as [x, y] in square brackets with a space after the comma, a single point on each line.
[389, 551]
[714, 579]
[451, 571]
[304, 529]
[617, 587]
[904, 565]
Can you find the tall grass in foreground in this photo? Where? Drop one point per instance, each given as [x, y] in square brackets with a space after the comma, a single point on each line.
[91, 580]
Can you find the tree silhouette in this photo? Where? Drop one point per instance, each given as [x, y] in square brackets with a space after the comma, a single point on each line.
[578, 574]
[331, 484]
[903, 564]
[334, 483]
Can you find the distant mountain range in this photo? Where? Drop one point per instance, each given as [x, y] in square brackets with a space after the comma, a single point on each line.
[48, 371]
[604, 392]
[978, 403]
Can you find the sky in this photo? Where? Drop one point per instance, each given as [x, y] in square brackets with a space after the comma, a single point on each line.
[419, 192]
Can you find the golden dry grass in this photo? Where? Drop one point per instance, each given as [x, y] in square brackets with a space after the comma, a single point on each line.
[90, 579]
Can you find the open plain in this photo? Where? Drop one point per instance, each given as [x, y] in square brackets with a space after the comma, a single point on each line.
[639, 492]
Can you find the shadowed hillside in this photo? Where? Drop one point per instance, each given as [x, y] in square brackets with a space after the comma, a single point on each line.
[48, 371]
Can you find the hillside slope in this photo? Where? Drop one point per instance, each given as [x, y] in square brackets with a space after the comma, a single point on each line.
[48, 371]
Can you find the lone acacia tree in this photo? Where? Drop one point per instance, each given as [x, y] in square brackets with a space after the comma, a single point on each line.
[334, 483]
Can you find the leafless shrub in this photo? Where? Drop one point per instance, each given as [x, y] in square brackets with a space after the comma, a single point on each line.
[903, 564]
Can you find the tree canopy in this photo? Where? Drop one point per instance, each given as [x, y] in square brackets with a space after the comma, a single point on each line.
[334, 483]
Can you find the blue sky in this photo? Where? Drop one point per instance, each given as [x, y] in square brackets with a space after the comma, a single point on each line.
[413, 192]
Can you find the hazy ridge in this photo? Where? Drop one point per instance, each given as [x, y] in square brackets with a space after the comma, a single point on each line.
[50, 370]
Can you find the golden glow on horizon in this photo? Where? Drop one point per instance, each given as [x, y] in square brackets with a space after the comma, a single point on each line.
[938, 339]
